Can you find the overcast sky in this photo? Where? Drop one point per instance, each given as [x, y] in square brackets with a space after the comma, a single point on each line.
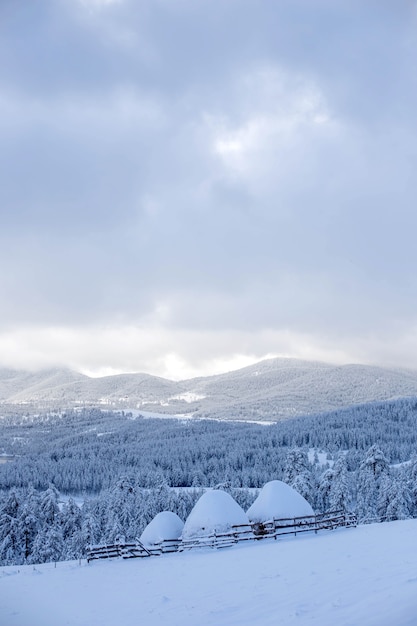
[187, 186]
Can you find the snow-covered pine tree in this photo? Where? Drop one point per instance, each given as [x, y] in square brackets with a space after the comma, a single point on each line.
[340, 490]
[298, 473]
[48, 506]
[11, 541]
[412, 486]
[372, 471]
[29, 522]
[48, 545]
[71, 522]
[91, 532]
[121, 511]
[397, 499]
[324, 490]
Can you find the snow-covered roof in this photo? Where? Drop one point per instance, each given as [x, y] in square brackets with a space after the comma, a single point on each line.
[165, 525]
[215, 511]
[278, 500]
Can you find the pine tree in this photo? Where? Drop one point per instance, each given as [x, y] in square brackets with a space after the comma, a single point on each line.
[71, 522]
[48, 545]
[339, 497]
[386, 492]
[120, 513]
[91, 533]
[399, 500]
[71, 519]
[298, 473]
[11, 543]
[412, 487]
[324, 490]
[29, 525]
[372, 471]
[49, 507]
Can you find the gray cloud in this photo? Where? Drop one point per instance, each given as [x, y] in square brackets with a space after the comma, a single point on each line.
[202, 168]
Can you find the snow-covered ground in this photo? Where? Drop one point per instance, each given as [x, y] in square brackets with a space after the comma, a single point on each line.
[350, 577]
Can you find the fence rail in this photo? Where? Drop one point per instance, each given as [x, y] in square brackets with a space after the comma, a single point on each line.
[256, 531]
[293, 525]
[133, 549]
[243, 532]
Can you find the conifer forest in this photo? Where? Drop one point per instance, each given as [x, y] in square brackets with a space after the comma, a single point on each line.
[80, 477]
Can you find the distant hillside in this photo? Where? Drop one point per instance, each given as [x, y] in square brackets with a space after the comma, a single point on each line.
[64, 388]
[269, 390]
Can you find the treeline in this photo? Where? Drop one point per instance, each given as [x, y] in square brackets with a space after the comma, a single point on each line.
[36, 528]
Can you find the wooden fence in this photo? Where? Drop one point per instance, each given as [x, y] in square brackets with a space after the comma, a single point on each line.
[133, 549]
[271, 529]
[236, 534]
[293, 525]
[125, 550]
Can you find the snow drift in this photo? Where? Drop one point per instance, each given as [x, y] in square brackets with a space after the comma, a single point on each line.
[165, 525]
[215, 511]
[278, 500]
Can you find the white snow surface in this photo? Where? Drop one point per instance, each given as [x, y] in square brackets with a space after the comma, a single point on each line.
[322, 457]
[215, 511]
[350, 577]
[165, 525]
[278, 500]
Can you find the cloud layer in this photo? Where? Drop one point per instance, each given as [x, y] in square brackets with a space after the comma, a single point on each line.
[183, 185]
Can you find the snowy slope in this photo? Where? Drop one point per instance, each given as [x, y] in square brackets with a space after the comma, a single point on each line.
[16, 385]
[279, 388]
[69, 388]
[350, 577]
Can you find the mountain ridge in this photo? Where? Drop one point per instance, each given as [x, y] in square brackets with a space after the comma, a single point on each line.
[271, 389]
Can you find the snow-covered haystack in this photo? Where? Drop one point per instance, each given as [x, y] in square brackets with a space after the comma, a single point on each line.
[214, 512]
[164, 526]
[278, 500]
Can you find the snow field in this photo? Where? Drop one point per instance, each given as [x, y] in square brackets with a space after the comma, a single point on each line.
[350, 577]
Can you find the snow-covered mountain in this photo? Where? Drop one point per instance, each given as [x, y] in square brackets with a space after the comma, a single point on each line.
[67, 388]
[269, 390]
[363, 576]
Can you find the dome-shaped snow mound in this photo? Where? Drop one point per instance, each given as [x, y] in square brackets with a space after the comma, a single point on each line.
[165, 525]
[215, 511]
[278, 500]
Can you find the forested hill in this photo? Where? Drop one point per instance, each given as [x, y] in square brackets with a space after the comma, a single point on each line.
[269, 390]
[86, 451]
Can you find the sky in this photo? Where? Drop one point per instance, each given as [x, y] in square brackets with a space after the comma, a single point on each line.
[188, 186]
